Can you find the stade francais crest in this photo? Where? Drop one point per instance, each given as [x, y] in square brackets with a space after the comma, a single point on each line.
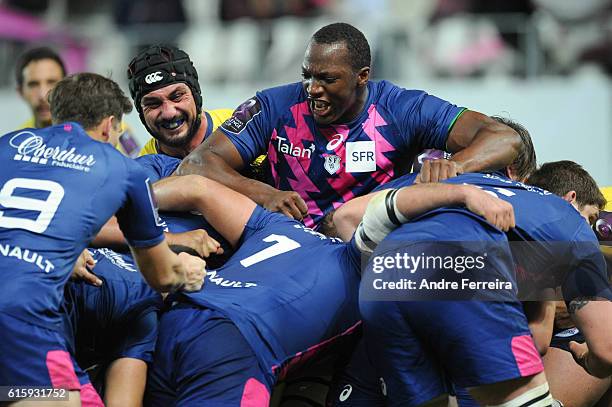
[332, 163]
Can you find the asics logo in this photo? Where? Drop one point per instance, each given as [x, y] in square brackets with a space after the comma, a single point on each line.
[153, 77]
[346, 392]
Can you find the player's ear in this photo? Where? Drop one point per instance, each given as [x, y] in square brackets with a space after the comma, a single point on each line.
[363, 75]
[106, 128]
[570, 197]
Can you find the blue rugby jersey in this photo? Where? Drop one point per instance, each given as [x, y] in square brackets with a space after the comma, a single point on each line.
[562, 248]
[287, 288]
[117, 319]
[57, 188]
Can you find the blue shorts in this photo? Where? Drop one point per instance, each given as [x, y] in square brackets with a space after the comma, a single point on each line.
[31, 355]
[201, 358]
[419, 346]
[358, 385]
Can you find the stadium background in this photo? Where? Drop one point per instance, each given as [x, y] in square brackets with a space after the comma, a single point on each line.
[544, 63]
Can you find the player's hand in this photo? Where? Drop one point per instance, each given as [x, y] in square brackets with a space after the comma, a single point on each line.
[195, 271]
[198, 240]
[289, 203]
[82, 269]
[580, 353]
[438, 170]
[496, 211]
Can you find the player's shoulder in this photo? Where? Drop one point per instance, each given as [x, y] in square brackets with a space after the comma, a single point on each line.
[283, 95]
[388, 90]
[218, 116]
[264, 222]
[150, 147]
[157, 166]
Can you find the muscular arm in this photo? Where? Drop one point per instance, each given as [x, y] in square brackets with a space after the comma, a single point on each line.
[226, 210]
[165, 271]
[217, 158]
[417, 199]
[594, 319]
[481, 143]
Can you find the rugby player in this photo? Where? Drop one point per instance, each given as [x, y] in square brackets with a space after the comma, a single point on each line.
[52, 182]
[579, 269]
[337, 135]
[36, 72]
[112, 328]
[165, 89]
[229, 345]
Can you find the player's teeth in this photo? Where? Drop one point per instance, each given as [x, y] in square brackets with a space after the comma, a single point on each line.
[173, 125]
[319, 104]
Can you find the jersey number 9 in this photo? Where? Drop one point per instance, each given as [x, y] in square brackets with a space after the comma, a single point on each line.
[46, 207]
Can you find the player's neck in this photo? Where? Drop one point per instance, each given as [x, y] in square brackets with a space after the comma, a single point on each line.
[182, 152]
[357, 107]
[39, 124]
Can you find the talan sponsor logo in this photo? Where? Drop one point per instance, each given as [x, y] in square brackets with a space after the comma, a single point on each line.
[32, 148]
[28, 256]
[286, 147]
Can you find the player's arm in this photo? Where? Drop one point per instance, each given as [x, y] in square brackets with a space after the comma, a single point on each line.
[594, 319]
[217, 158]
[391, 208]
[479, 143]
[225, 209]
[540, 317]
[112, 237]
[163, 270]
[125, 383]
[166, 271]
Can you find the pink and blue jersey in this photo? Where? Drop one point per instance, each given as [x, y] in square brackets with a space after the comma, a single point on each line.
[57, 188]
[329, 165]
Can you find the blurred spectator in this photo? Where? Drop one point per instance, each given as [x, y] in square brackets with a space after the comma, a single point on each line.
[29, 6]
[267, 9]
[36, 72]
[573, 32]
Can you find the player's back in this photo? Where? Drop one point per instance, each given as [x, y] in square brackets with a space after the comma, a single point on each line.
[55, 194]
[115, 320]
[286, 286]
[551, 239]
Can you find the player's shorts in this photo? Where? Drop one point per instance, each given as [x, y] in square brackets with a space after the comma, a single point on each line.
[562, 338]
[418, 347]
[202, 359]
[358, 384]
[31, 355]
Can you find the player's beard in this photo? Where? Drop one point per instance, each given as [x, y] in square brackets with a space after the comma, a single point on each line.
[182, 141]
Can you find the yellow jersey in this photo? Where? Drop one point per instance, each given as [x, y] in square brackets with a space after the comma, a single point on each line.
[216, 117]
[607, 192]
[27, 124]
